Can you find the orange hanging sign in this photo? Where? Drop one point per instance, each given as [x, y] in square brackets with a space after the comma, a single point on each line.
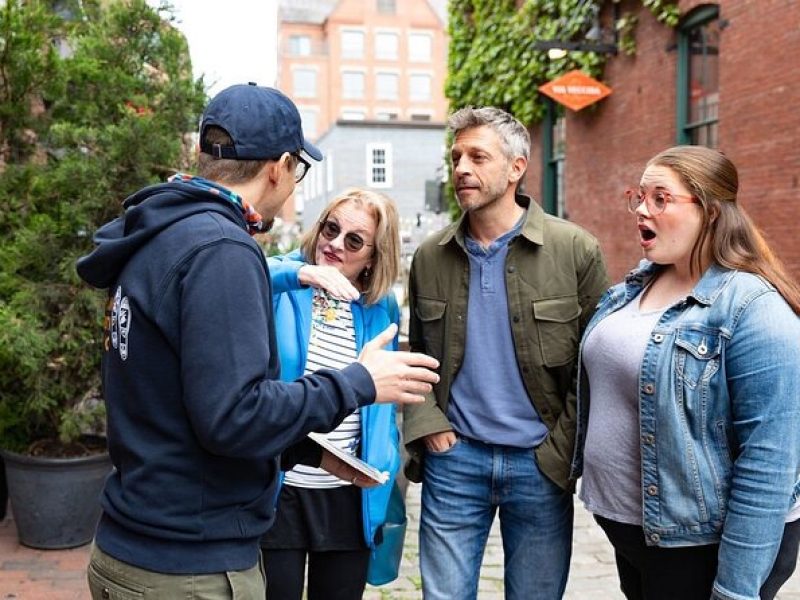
[575, 90]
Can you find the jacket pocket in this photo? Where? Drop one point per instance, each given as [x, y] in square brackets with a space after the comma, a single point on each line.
[431, 312]
[698, 354]
[556, 322]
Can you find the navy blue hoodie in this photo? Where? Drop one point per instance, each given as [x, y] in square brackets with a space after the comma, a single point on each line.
[197, 418]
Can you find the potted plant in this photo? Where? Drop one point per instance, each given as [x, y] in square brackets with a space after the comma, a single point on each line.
[95, 102]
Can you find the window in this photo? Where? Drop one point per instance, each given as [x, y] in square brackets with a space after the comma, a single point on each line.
[386, 115]
[304, 83]
[386, 86]
[352, 84]
[386, 7]
[554, 154]
[420, 116]
[379, 165]
[353, 115]
[299, 45]
[420, 87]
[308, 118]
[329, 171]
[386, 45]
[698, 78]
[352, 44]
[419, 47]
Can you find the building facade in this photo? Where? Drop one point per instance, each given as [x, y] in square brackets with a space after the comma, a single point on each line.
[725, 77]
[374, 62]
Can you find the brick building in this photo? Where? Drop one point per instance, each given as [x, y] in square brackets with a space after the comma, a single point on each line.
[726, 77]
[371, 62]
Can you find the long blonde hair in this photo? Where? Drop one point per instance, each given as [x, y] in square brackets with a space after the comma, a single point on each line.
[732, 239]
[376, 282]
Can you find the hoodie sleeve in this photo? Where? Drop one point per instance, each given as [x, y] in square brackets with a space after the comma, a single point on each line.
[230, 366]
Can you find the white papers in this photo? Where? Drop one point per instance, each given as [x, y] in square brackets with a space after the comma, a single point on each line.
[366, 469]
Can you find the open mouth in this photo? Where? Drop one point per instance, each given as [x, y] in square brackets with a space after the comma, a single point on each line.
[646, 233]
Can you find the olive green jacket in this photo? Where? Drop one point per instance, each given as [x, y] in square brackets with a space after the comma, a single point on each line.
[555, 274]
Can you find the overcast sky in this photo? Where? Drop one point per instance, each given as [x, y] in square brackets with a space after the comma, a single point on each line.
[246, 40]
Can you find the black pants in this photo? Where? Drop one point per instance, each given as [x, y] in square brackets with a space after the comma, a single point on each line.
[785, 562]
[336, 575]
[653, 573]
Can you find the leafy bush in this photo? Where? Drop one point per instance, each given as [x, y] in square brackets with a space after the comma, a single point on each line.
[95, 102]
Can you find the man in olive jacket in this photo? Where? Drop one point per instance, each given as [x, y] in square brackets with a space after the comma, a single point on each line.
[500, 298]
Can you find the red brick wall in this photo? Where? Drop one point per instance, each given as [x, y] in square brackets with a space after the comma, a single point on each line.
[609, 143]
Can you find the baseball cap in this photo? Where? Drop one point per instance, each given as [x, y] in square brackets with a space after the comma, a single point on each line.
[262, 122]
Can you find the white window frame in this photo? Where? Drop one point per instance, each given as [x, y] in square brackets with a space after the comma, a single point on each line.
[395, 33]
[394, 73]
[419, 59]
[304, 48]
[411, 77]
[353, 113]
[351, 71]
[386, 165]
[312, 110]
[305, 69]
[345, 52]
[387, 110]
[329, 171]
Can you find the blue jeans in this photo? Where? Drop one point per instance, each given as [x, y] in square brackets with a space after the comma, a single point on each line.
[462, 489]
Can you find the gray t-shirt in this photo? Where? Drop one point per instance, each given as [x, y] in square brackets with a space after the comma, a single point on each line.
[612, 356]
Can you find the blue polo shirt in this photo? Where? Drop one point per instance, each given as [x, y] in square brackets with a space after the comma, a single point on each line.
[488, 398]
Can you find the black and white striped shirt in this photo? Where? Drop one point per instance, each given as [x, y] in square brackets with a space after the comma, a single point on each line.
[332, 345]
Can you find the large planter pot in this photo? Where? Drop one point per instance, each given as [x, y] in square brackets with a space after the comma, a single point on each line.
[55, 501]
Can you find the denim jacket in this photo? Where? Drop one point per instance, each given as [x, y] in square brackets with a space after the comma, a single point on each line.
[719, 421]
[380, 438]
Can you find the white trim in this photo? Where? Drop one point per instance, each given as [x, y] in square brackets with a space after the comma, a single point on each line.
[387, 165]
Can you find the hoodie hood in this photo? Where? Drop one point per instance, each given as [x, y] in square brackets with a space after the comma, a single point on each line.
[147, 213]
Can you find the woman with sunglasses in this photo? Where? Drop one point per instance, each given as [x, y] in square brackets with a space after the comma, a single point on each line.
[330, 297]
[688, 417]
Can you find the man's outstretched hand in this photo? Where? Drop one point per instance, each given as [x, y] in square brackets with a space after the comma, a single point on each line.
[402, 377]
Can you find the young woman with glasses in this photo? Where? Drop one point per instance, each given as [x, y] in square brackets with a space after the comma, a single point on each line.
[330, 297]
[688, 418]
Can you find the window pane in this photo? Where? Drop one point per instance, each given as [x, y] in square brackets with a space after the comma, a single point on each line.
[419, 47]
[352, 84]
[353, 115]
[387, 7]
[352, 44]
[304, 83]
[309, 121]
[386, 86]
[386, 46]
[299, 45]
[420, 87]
[704, 72]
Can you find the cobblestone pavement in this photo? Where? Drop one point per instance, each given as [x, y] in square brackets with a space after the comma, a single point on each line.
[27, 574]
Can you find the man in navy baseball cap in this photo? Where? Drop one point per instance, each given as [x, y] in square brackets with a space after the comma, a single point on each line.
[199, 424]
[261, 122]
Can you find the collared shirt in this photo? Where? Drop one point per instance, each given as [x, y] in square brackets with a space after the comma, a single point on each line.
[491, 404]
[554, 275]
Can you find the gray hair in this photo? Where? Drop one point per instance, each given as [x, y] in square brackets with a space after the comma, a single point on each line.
[514, 138]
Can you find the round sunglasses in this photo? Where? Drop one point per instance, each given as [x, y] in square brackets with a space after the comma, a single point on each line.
[353, 242]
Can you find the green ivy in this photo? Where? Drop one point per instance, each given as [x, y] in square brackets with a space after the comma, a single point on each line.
[493, 59]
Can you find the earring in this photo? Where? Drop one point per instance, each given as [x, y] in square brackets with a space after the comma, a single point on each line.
[366, 273]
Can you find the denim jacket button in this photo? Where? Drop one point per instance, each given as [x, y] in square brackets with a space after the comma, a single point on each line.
[649, 388]
[652, 490]
[658, 337]
[649, 438]
[511, 269]
[655, 538]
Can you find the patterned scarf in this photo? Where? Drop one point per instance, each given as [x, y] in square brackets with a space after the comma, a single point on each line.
[255, 224]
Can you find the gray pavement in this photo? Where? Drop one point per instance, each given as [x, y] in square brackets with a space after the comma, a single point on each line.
[592, 573]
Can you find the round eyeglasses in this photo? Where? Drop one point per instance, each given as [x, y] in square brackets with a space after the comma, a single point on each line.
[331, 230]
[301, 167]
[655, 200]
